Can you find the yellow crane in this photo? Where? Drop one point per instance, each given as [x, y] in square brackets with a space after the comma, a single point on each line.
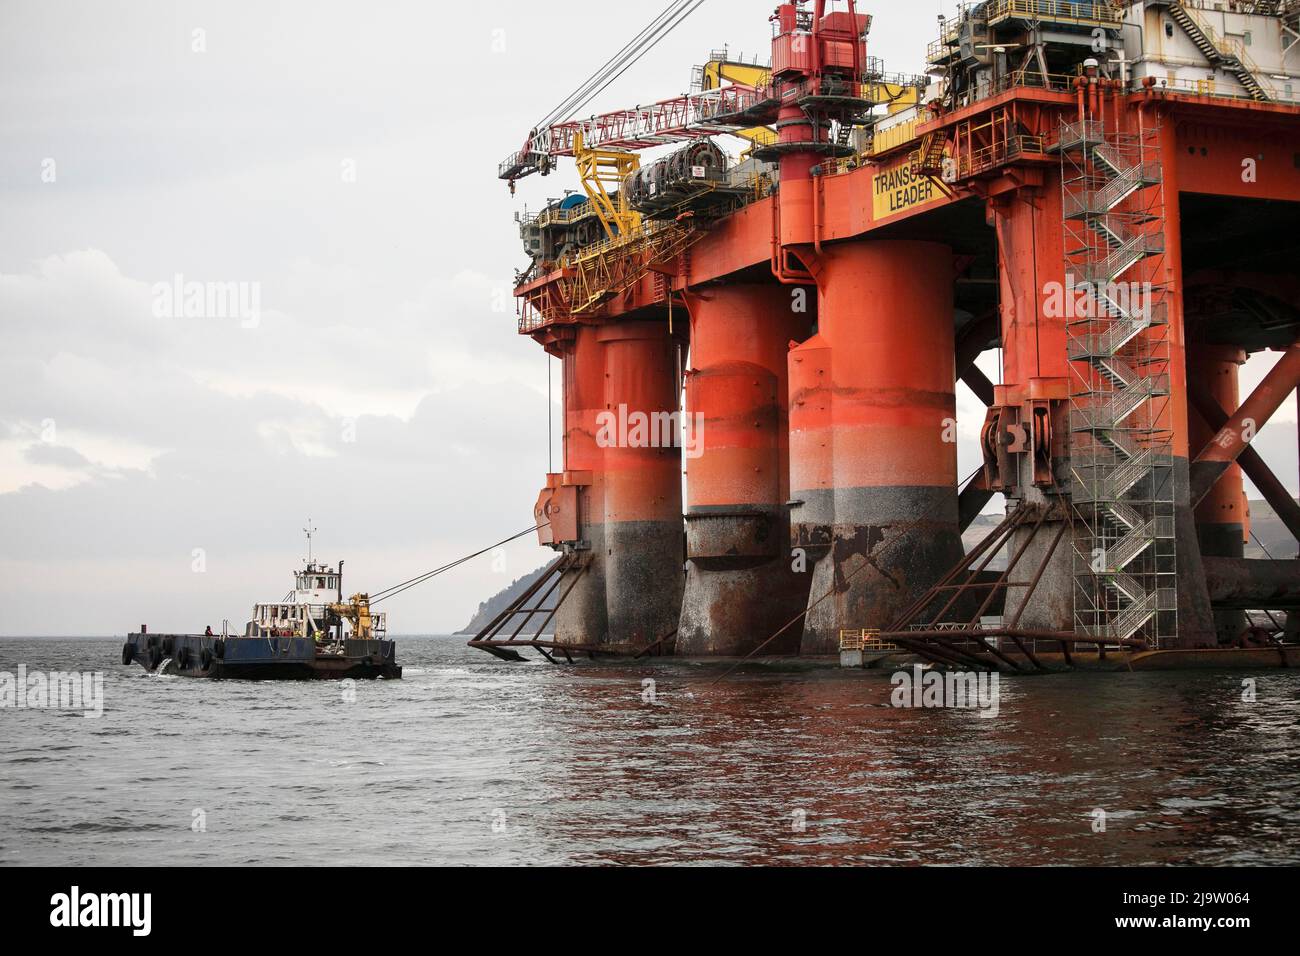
[357, 613]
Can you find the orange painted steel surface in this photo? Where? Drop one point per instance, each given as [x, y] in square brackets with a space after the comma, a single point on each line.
[869, 390]
[642, 534]
[873, 449]
[740, 583]
[1221, 519]
[1031, 258]
[1221, 514]
[1196, 627]
[745, 239]
[582, 618]
[1253, 414]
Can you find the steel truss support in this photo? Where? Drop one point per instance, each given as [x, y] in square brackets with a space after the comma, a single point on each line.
[1237, 433]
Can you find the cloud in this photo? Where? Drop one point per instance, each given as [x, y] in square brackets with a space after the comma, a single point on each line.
[134, 440]
[53, 455]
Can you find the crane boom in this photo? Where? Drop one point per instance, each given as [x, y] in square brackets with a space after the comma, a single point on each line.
[677, 120]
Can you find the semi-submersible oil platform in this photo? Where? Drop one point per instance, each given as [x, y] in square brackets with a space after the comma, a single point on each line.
[1106, 192]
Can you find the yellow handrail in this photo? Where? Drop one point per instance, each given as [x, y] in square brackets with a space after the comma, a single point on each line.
[1234, 47]
[864, 639]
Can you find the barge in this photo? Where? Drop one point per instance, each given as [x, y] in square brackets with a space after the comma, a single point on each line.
[313, 634]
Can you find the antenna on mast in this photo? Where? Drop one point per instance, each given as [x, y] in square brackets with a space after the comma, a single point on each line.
[309, 531]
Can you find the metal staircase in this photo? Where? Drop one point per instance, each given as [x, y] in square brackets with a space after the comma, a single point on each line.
[928, 160]
[1121, 454]
[1229, 55]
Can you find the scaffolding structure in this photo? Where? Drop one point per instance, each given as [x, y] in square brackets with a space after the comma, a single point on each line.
[1122, 465]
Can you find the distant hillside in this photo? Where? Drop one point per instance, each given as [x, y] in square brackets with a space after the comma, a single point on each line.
[1271, 532]
[502, 599]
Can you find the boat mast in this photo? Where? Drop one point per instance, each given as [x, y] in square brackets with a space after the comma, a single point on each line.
[309, 531]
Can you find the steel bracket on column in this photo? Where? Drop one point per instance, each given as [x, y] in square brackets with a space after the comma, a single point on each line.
[996, 439]
[807, 255]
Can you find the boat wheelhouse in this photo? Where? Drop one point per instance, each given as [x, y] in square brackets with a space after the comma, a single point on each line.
[315, 608]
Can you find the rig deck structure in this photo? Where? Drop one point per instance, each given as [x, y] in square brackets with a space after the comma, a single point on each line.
[1106, 192]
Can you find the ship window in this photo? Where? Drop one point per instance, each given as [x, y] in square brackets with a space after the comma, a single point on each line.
[1169, 30]
[320, 583]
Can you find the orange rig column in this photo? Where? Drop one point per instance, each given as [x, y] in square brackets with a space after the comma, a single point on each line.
[1036, 377]
[740, 583]
[581, 619]
[638, 431]
[1195, 616]
[1221, 516]
[873, 453]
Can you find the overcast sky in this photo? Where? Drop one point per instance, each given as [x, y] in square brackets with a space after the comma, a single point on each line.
[340, 158]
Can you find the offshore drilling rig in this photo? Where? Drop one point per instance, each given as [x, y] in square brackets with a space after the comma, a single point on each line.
[1106, 192]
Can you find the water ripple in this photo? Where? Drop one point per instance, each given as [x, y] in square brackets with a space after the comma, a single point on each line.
[471, 761]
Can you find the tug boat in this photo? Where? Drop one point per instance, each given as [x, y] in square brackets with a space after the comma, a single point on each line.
[313, 634]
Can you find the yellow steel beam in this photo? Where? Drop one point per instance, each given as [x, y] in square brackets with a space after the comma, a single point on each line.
[715, 71]
[601, 169]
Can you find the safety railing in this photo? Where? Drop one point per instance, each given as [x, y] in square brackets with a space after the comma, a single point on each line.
[1124, 257]
[939, 50]
[1123, 478]
[1108, 409]
[1083, 348]
[892, 137]
[1127, 585]
[1061, 83]
[1087, 134]
[1217, 90]
[1116, 370]
[559, 216]
[1017, 80]
[1230, 47]
[1102, 201]
[748, 184]
[864, 640]
[1125, 515]
[1092, 13]
[1120, 441]
[999, 154]
[1110, 479]
[1131, 546]
[648, 228]
[1131, 620]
